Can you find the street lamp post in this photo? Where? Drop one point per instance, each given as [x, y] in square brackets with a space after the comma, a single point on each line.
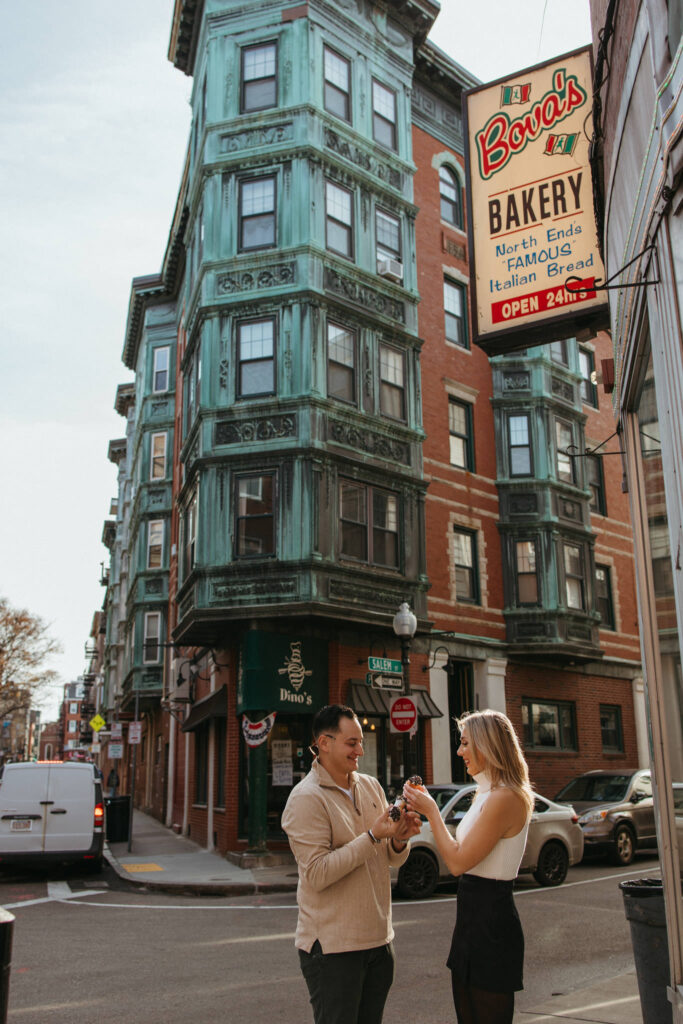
[405, 625]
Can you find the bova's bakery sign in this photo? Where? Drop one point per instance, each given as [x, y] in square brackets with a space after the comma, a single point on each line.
[531, 224]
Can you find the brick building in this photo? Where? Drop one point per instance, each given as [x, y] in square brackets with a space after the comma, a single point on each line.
[311, 440]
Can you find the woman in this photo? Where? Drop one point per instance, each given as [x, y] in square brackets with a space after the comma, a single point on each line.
[487, 951]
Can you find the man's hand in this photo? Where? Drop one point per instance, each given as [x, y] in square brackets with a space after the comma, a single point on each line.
[409, 824]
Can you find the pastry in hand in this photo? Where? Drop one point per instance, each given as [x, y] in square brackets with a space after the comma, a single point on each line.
[399, 803]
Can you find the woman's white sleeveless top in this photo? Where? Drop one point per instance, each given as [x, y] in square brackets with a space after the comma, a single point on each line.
[504, 859]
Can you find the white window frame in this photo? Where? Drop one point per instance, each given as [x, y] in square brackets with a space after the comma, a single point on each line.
[149, 638]
[165, 351]
[154, 458]
[152, 523]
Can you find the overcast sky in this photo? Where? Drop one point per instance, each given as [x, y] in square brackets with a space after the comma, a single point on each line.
[93, 129]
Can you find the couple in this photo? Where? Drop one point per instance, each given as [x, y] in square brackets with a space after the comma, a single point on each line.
[344, 840]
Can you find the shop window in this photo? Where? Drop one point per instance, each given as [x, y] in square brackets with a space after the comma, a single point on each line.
[158, 457]
[201, 759]
[465, 563]
[341, 363]
[257, 213]
[611, 729]
[255, 527]
[151, 638]
[461, 434]
[392, 399]
[549, 725]
[256, 357]
[589, 391]
[527, 573]
[603, 596]
[259, 77]
[564, 441]
[455, 312]
[337, 97]
[384, 115]
[369, 525]
[450, 196]
[160, 370]
[155, 543]
[596, 482]
[519, 446]
[574, 576]
[339, 220]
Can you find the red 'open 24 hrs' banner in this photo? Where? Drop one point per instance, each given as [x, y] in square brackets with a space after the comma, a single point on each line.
[538, 302]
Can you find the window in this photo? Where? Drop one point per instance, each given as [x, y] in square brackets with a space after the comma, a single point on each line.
[73, 726]
[558, 352]
[465, 558]
[461, 434]
[338, 220]
[564, 440]
[189, 538]
[392, 383]
[337, 98]
[73, 708]
[519, 446]
[359, 507]
[259, 77]
[527, 576]
[383, 115]
[589, 391]
[596, 482]
[155, 543]
[255, 515]
[257, 213]
[549, 725]
[451, 197]
[611, 730]
[158, 457]
[455, 307]
[388, 230]
[574, 576]
[256, 357]
[160, 374]
[603, 596]
[152, 631]
[201, 757]
[341, 363]
[192, 386]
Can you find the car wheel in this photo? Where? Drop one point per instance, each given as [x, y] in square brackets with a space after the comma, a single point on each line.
[553, 864]
[418, 877]
[624, 846]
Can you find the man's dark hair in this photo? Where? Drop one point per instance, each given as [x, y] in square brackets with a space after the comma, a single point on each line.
[327, 719]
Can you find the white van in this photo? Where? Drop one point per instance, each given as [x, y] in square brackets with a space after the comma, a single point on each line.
[51, 812]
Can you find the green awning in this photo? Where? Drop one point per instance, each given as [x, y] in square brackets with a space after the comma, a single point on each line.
[367, 700]
[213, 706]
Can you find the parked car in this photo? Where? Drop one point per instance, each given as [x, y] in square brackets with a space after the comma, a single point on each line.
[554, 842]
[616, 811]
[51, 812]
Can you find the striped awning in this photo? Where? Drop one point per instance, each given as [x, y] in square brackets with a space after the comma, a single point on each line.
[367, 700]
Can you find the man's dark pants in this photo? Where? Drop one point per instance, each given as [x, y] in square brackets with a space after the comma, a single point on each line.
[348, 988]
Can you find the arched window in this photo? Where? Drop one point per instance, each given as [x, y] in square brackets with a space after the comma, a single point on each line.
[451, 196]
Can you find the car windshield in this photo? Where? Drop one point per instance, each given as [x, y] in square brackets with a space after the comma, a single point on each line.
[596, 789]
[442, 794]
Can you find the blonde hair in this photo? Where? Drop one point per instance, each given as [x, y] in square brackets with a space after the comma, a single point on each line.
[495, 741]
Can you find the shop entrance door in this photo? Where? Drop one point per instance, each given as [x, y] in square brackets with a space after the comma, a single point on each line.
[460, 699]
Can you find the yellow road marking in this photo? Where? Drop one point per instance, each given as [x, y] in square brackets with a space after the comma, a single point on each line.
[134, 868]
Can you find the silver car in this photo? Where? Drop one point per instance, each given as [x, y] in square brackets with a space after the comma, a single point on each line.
[554, 842]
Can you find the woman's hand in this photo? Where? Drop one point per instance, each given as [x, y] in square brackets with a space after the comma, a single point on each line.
[408, 825]
[420, 801]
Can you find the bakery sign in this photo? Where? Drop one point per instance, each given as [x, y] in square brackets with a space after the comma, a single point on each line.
[283, 673]
[530, 199]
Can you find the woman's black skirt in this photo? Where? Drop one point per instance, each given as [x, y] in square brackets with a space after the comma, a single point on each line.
[487, 950]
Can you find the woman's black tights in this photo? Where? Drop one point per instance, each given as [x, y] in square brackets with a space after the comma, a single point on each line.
[477, 1006]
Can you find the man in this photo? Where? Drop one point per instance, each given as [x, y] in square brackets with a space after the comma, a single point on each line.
[340, 832]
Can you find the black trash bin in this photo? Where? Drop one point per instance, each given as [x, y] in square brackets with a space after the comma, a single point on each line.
[644, 906]
[118, 818]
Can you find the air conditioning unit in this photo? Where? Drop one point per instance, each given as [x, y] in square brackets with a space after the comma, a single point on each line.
[391, 269]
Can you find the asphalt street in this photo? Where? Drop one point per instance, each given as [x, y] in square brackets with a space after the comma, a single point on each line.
[92, 949]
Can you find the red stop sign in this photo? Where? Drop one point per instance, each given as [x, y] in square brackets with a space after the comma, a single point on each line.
[403, 714]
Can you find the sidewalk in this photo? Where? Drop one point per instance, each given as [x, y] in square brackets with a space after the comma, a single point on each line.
[163, 861]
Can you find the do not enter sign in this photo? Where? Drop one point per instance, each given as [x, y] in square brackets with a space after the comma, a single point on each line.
[403, 715]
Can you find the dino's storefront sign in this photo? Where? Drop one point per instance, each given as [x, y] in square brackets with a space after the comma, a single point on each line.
[531, 222]
[282, 673]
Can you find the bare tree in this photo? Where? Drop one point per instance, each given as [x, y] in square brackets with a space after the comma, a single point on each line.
[25, 647]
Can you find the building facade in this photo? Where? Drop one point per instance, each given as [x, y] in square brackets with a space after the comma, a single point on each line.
[311, 440]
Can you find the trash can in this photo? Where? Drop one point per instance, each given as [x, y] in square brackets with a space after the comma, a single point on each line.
[644, 906]
[117, 810]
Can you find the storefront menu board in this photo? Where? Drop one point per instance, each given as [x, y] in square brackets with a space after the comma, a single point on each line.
[531, 224]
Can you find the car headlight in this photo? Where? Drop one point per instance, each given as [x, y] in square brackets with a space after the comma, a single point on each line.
[592, 817]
